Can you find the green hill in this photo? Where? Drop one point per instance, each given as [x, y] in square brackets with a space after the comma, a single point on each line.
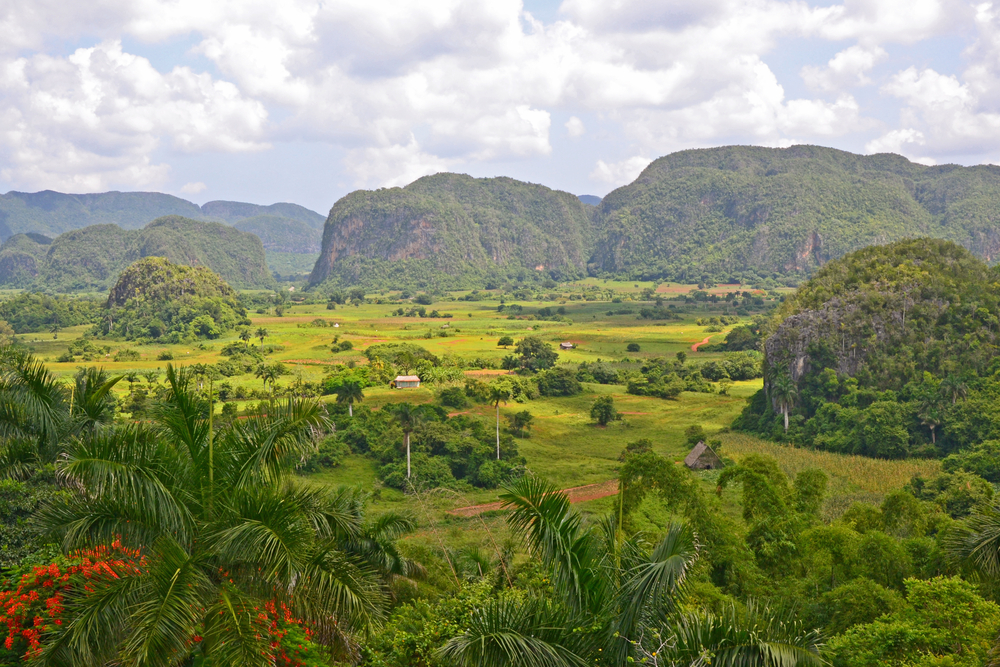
[157, 299]
[283, 235]
[53, 213]
[739, 212]
[889, 351]
[451, 230]
[20, 256]
[90, 259]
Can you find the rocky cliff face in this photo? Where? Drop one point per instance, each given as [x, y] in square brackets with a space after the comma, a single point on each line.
[456, 226]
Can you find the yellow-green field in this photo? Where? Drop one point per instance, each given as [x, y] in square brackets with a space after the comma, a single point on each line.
[565, 447]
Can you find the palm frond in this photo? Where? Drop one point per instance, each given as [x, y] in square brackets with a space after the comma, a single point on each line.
[511, 632]
[977, 540]
[233, 635]
[760, 637]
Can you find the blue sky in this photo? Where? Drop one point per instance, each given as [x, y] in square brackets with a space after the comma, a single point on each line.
[305, 101]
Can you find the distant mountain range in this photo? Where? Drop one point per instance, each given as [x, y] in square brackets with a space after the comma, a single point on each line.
[736, 213]
[53, 213]
[90, 259]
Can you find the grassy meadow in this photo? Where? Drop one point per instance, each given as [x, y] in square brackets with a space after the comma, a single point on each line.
[564, 446]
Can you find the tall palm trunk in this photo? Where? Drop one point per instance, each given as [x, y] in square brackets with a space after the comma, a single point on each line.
[498, 431]
[407, 435]
[784, 410]
[350, 409]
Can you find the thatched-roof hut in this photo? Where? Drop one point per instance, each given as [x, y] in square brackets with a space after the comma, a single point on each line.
[702, 458]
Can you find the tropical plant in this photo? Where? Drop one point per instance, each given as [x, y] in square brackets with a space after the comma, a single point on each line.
[407, 416]
[350, 392]
[618, 601]
[784, 393]
[225, 532]
[603, 410]
[261, 333]
[500, 392]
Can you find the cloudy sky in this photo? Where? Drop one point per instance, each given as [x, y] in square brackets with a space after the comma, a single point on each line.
[306, 100]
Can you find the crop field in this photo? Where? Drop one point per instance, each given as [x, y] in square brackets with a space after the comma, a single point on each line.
[564, 447]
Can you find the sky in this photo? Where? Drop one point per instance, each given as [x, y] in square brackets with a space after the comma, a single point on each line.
[305, 100]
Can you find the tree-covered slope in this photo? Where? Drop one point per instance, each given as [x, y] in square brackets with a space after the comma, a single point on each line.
[740, 211]
[53, 213]
[877, 353]
[92, 258]
[282, 234]
[450, 228]
[234, 211]
[20, 256]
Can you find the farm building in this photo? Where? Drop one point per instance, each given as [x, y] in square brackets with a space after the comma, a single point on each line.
[406, 382]
[565, 346]
[701, 457]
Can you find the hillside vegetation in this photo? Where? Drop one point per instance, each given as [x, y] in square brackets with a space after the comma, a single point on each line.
[157, 299]
[889, 351]
[283, 234]
[53, 213]
[90, 259]
[452, 229]
[741, 212]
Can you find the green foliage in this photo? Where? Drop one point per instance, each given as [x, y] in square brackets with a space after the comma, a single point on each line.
[558, 382]
[483, 230]
[283, 235]
[889, 351]
[858, 602]
[536, 354]
[31, 313]
[603, 410]
[91, 258]
[942, 617]
[155, 298]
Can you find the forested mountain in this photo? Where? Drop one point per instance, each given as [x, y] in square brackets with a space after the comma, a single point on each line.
[889, 351]
[282, 234]
[91, 259]
[53, 213]
[735, 212]
[450, 229]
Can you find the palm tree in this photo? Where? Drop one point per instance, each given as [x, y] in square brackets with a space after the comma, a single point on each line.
[625, 592]
[225, 529]
[499, 393]
[930, 416]
[954, 387]
[152, 376]
[350, 392]
[261, 333]
[131, 377]
[246, 336]
[784, 393]
[407, 416]
[93, 404]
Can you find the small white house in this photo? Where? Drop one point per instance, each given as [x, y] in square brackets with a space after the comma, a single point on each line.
[406, 382]
[566, 346]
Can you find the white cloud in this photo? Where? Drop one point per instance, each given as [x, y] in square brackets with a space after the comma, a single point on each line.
[406, 88]
[193, 188]
[848, 68]
[619, 173]
[575, 128]
[92, 120]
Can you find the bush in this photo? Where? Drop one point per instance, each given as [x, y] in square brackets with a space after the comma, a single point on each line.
[329, 454]
[166, 355]
[603, 411]
[558, 382]
[632, 347]
[126, 354]
[453, 397]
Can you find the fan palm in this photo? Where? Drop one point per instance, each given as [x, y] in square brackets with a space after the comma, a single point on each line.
[619, 601]
[350, 392]
[225, 528]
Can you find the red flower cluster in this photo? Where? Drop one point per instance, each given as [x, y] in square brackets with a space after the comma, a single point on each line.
[36, 604]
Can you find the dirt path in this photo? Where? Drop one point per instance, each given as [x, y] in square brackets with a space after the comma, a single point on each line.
[694, 348]
[577, 494]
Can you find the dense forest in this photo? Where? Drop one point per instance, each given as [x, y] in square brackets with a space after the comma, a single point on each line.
[890, 352]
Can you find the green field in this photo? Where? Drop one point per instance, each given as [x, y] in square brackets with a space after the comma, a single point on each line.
[565, 447]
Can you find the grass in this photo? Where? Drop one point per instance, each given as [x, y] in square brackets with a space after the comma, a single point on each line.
[564, 446]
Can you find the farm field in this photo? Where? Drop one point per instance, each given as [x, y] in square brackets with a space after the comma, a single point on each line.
[564, 447]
